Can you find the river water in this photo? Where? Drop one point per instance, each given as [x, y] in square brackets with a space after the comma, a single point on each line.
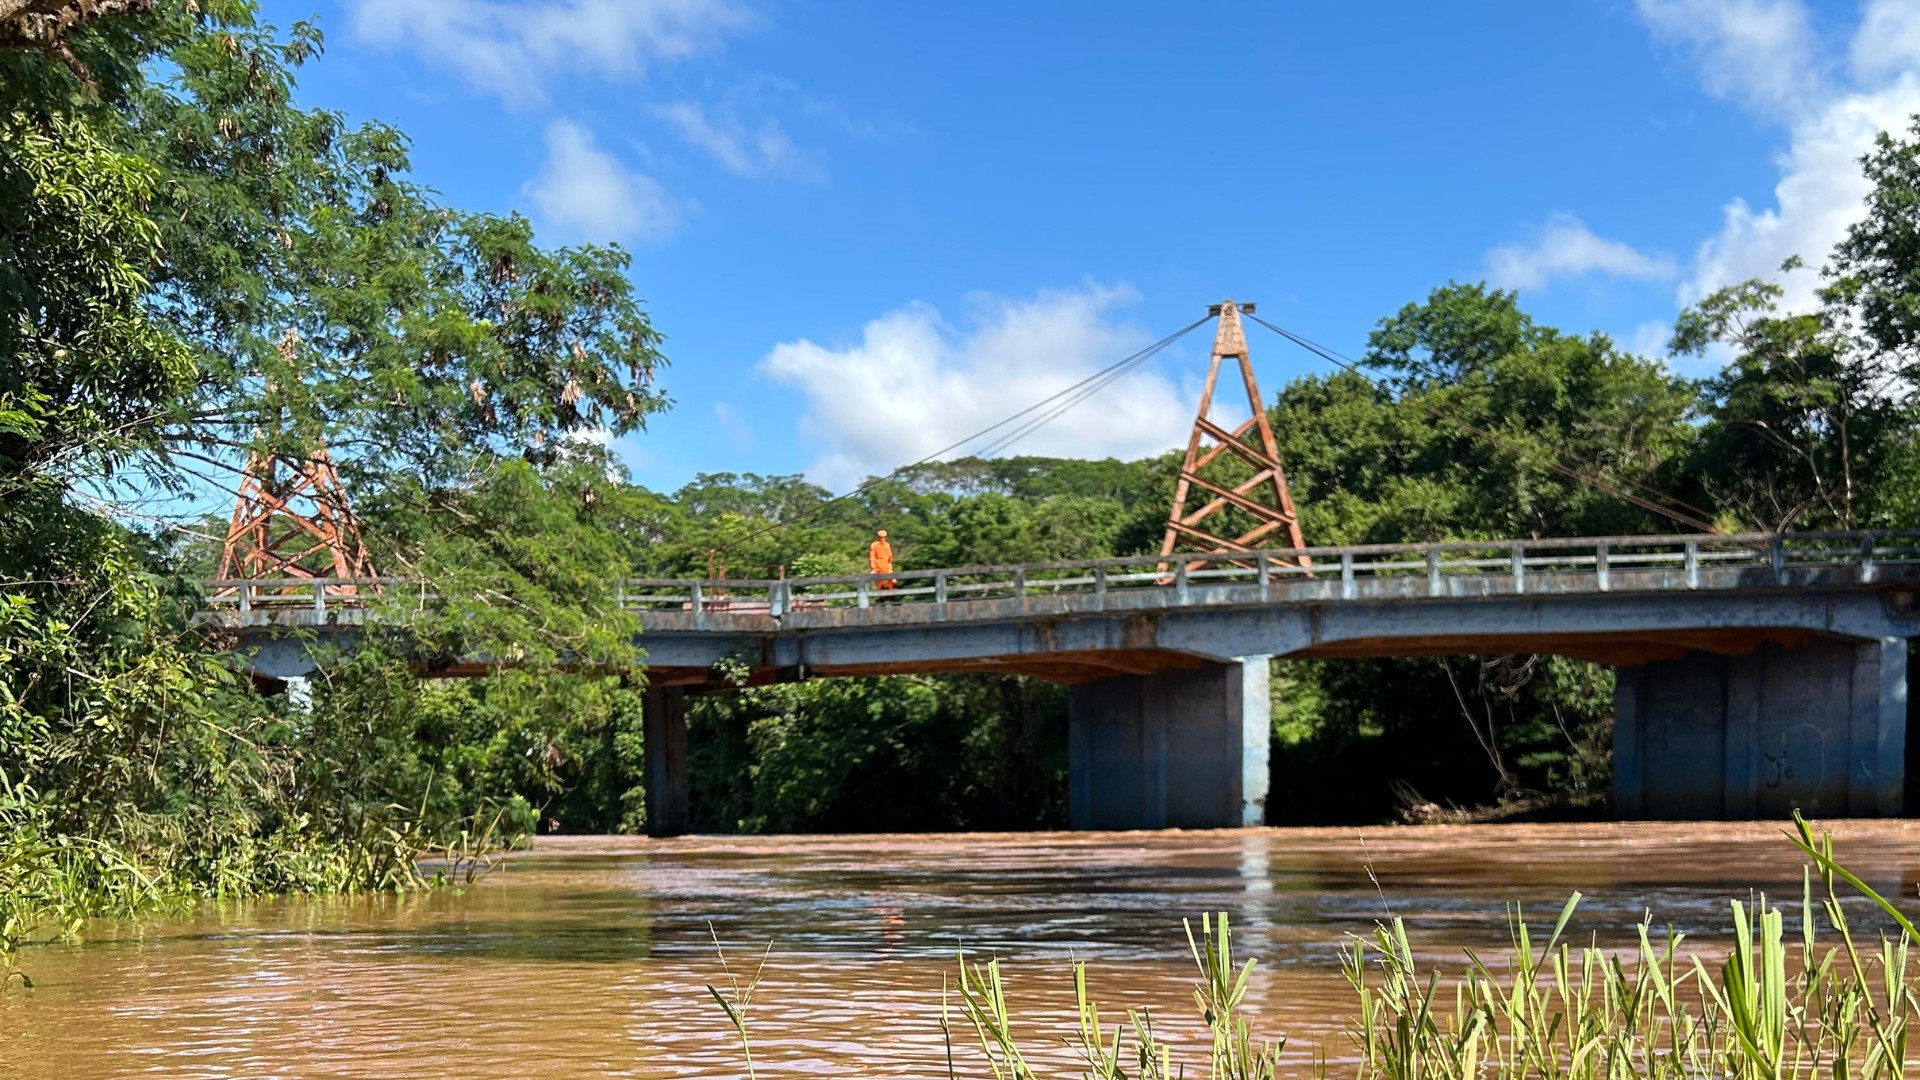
[589, 957]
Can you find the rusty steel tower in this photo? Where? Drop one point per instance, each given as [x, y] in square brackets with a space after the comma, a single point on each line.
[291, 520]
[1237, 473]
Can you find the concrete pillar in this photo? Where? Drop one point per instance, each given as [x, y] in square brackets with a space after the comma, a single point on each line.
[665, 747]
[1821, 728]
[1177, 750]
[300, 694]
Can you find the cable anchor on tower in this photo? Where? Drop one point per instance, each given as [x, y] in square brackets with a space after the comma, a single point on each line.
[1236, 474]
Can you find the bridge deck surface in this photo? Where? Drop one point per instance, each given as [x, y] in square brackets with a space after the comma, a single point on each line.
[1620, 600]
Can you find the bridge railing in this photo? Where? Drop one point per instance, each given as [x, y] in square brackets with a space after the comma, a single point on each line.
[1498, 566]
[1470, 567]
[320, 596]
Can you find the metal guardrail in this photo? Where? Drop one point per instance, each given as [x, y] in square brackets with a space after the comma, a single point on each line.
[1606, 564]
[316, 594]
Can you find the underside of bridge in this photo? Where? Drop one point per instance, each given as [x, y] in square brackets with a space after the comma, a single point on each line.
[1068, 668]
[1709, 723]
[1076, 667]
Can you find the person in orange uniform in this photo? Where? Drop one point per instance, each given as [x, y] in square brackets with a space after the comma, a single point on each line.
[880, 560]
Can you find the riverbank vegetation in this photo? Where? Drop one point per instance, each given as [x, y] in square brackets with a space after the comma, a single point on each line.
[196, 268]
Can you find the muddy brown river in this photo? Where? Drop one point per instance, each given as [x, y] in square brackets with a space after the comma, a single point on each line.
[589, 956]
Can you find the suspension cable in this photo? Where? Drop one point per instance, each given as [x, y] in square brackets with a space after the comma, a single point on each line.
[1114, 374]
[1074, 394]
[1565, 470]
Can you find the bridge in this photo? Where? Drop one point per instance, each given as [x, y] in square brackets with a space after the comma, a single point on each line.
[1755, 673]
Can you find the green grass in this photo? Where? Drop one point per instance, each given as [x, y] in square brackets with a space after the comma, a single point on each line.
[1825, 1004]
[1557, 1011]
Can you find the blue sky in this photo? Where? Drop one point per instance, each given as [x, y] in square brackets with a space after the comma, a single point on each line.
[868, 229]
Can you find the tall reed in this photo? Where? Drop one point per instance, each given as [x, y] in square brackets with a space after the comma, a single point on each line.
[1585, 1013]
[1219, 997]
[1833, 1005]
[738, 1001]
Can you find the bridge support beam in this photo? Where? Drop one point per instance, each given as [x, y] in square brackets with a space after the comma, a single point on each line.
[1821, 728]
[665, 732]
[1176, 750]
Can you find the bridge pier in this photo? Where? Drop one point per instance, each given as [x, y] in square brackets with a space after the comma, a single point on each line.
[1179, 749]
[665, 748]
[1821, 728]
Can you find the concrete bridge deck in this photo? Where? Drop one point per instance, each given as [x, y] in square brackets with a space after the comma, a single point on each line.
[1753, 670]
[1614, 600]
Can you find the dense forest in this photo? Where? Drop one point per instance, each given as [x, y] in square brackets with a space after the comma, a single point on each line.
[194, 269]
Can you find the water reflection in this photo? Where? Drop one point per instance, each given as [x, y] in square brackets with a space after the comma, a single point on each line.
[589, 956]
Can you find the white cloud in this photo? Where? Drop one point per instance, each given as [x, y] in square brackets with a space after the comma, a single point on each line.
[1888, 42]
[584, 193]
[510, 49]
[1819, 195]
[913, 383]
[1564, 248]
[1650, 338]
[764, 151]
[1759, 53]
[1755, 52]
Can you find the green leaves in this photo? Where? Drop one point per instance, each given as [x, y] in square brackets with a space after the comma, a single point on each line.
[1496, 426]
[194, 268]
[940, 752]
[518, 562]
[1805, 434]
[1813, 423]
[1219, 997]
[1875, 271]
[327, 296]
[1235, 1052]
[88, 373]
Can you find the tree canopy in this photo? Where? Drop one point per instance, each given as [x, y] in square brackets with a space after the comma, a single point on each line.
[196, 270]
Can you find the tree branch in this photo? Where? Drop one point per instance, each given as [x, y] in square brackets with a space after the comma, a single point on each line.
[43, 25]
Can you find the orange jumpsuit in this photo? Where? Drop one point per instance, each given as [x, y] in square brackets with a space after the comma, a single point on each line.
[880, 561]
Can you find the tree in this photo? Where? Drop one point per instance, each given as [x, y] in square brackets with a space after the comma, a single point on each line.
[1803, 432]
[88, 367]
[263, 279]
[194, 270]
[83, 664]
[328, 298]
[43, 25]
[1875, 272]
[917, 752]
[1068, 527]
[1484, 425]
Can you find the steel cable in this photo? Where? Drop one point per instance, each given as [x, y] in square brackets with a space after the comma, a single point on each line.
[1116, 374]
[1565, 470]
[1080, 391]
